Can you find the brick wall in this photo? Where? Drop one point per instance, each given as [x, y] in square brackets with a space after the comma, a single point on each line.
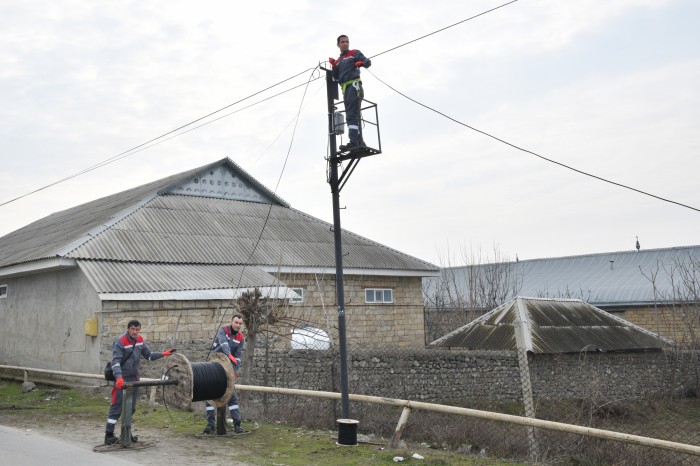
[679, 323]
[399, 324]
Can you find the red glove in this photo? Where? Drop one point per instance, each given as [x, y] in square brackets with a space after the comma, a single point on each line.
[359, 64]
[120, 383]
[332, 61]
[233, 360]
[169, 352]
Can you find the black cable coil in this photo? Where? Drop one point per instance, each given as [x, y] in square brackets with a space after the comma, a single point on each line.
[209, 381]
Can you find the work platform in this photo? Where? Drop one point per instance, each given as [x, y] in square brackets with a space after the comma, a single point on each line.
[356, 153]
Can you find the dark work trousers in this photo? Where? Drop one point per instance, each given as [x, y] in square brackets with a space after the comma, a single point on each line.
[115, 409]
[353, 102]
[232, 409]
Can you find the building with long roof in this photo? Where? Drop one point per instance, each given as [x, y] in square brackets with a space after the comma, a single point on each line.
[657, 289]
[174, 253]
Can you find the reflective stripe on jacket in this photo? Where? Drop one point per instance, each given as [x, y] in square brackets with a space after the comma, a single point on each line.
[229, 342]
[345, 69]
[122, 348]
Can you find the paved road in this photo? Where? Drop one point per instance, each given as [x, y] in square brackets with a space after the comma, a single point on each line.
[20, 447]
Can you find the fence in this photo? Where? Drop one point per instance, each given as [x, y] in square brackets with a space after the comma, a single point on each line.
[632, 394]
[627, 393]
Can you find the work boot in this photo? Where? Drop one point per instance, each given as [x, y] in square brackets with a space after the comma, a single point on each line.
[351, 146]
[209, 429]
[110, 438]
[237, 429]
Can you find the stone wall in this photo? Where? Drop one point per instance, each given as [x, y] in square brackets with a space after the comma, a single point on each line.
[402, 372]
[399, 324]
[453, 375]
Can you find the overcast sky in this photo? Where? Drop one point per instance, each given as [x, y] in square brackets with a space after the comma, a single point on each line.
[610, 88]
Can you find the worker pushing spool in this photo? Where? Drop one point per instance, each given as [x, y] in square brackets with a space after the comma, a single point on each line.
[212, 381]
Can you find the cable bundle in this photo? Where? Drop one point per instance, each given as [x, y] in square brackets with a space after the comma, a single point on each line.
[209, 381]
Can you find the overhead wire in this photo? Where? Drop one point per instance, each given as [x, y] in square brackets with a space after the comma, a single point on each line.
[445, 28]
[600, 178]
[141, 147]
[146, 145]
[269, 210]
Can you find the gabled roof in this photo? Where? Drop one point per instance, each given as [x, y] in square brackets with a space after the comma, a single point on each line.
[61, 232]
[606, 279]
[551, 326]
[212, 215]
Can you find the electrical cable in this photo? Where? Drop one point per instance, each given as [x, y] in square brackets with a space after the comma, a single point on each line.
[141, 147]
[443, 29]
[269, 210]
[160, 139]
[531, 152]
[209, 122]
[209, 381]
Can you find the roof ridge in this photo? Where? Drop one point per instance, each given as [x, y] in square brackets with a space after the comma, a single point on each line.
[576, 256]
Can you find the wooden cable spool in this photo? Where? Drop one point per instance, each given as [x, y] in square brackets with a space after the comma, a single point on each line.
[179, 366]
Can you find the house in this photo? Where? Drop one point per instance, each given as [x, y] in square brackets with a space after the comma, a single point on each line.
[656, 289]
[174, 254]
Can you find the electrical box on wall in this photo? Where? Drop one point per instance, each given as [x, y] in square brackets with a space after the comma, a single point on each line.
[91, 326]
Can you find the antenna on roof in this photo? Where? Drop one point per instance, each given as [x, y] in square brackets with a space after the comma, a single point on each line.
[637, 245]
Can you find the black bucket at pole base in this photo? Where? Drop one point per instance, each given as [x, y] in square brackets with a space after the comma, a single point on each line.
[347, 432]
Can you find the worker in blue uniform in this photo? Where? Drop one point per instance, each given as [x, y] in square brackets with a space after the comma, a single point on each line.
[346, 71]
[127, 351]
[229, 341]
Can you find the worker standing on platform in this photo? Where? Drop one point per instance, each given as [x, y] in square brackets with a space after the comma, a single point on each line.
[346, 71]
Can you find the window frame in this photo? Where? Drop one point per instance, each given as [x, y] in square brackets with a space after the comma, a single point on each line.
[383, 295]
[3, 291]
[294, 300]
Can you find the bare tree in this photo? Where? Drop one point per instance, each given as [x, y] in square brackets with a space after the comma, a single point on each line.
[257, 312]
[462, 293]
[677, 312]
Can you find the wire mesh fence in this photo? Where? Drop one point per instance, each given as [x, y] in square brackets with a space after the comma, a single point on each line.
[594, 394]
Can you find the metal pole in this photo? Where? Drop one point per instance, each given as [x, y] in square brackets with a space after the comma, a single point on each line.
[332, 91]
[127, 400]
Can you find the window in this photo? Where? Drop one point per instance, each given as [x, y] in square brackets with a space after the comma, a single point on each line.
[3, 291]
[300, 299]
[379, 295]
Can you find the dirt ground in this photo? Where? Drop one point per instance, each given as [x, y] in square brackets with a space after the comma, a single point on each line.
[170, 447]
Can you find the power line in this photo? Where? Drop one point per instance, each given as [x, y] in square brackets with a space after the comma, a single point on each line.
[442, 29]
[146, 145]
[531, 152]
[269, 210]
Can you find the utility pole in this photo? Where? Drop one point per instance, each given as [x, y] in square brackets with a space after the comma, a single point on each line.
[337, 181]
[332, 91]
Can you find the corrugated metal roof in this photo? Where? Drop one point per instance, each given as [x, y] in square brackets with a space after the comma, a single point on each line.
[551, 326]
[185, 229]
[49, 236]
[275, 292]
[151, 224]
[129, 277]
[605, 279]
